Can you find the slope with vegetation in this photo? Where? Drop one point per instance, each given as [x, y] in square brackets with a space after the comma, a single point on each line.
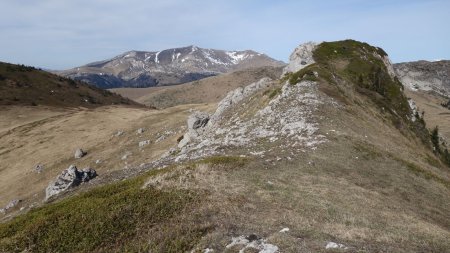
[347, 167]
[25, 85]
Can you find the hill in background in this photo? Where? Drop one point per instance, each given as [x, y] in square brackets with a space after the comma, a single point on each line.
[24, 85]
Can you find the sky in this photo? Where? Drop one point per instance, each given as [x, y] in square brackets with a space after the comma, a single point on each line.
[61, 34]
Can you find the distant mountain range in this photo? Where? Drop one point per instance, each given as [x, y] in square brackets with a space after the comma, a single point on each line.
[167, 67]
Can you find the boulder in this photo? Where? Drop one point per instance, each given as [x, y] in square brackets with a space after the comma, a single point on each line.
[69, 178]
[79, 153]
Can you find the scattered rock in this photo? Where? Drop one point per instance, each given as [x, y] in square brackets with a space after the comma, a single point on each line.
[333, 245]
[126, 155]
[144, 143]
[79, 153]
[119, 133]
[13, 203]
[39, 168]
[70, 177]
[257, 244]
[284, 230]
[140, 130]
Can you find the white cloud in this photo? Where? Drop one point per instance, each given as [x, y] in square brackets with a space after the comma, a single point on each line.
[63, 34]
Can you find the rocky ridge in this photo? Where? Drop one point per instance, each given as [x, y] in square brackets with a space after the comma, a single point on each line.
[283, 119]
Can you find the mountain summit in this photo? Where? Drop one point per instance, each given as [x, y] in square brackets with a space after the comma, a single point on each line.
[166, 67]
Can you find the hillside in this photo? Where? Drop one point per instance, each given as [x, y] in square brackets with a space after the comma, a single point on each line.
[23, 85]
[329, 158]
[207, 90]
[166, 67]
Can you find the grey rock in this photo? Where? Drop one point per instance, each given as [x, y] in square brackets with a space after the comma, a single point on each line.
[144, 143]
[79, 153]
[39, 168]
[197, 120]
[140, 130]
[13, 203]
[69, 178]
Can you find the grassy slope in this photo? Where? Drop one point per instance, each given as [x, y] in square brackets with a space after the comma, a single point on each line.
[374, 186]
[22, 85]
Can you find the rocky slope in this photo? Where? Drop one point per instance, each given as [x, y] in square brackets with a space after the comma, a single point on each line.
[425, 75]
[167, 67]
[23, 85]
[329, 158]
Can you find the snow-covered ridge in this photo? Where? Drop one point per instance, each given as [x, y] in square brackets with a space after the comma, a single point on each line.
[167, 67]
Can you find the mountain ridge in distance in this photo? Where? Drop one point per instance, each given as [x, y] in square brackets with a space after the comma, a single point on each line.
[166, 67]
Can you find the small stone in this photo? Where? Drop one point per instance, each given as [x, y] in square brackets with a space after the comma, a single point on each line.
[144, 143]
[39, 168]
[333, 245]
[98, 161]
[79, 153]
[140, 130]
[284, 230]
[119, 133]
[126, 155]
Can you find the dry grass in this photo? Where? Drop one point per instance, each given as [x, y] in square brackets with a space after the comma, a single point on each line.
[435, 114]
[48, 136]
[208, 90]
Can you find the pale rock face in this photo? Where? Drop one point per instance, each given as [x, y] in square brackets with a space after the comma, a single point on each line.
[301, 57]
[70, 177]
[389, 66]
[237, 95]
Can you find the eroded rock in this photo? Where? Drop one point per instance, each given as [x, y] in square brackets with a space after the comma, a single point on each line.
[13, 203]
[70, 177]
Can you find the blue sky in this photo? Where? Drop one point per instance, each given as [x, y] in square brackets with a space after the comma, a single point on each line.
[61, 34]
